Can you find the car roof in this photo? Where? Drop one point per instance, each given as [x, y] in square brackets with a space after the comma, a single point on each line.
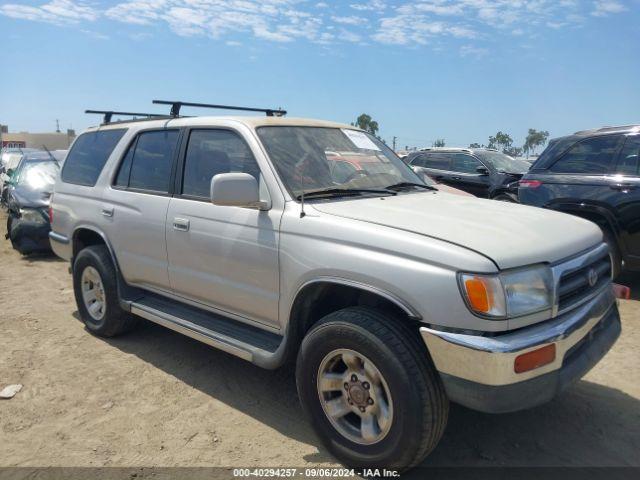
[608, 130]
[251, 122]
[457, 150]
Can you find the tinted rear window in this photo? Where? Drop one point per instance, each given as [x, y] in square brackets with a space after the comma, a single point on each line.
[591, 156]
[438, 161]
[88, 156]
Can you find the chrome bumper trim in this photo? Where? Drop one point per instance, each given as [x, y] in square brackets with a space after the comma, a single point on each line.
[490, 360]
[56, 237]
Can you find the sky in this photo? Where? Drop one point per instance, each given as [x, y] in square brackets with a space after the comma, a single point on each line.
[460, 70]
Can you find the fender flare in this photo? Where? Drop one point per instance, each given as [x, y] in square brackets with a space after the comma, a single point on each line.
[400, 303]
[124, 290]
[578, 208]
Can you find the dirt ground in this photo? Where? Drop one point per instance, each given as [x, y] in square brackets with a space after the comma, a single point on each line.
[156, 398]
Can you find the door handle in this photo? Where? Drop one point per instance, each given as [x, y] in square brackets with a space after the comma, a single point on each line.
[181, 224]
[622, 186]
[107, 211]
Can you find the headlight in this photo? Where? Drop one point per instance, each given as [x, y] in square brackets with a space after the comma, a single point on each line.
[32, 215]
[508, 294]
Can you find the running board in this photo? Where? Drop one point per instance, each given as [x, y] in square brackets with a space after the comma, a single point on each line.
[236, 338]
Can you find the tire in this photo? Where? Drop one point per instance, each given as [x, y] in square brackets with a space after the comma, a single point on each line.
[9, 224]
[418, 404]
[93, 270]
[505, 197]
[616, 257]
[9, 229]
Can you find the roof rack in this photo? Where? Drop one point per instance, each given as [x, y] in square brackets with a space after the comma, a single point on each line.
[176, 105]
[108, 114]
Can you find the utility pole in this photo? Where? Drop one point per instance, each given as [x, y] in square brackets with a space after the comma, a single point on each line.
[394, 143]
[57, 126]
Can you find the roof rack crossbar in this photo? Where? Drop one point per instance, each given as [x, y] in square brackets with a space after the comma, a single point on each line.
[108, 114]
[176, 106]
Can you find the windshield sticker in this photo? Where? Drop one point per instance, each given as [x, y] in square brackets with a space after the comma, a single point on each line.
[360, 140]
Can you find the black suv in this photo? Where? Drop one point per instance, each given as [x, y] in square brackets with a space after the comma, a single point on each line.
[594, 174]
[482, 172]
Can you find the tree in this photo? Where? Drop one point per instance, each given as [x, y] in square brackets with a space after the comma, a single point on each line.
[438, 143]
[366, 123]
[475, 145]
[501, 141]
[535, 139]
[513, 151]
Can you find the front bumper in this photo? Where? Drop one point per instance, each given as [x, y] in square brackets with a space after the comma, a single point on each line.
[30, 237]
[478, 372]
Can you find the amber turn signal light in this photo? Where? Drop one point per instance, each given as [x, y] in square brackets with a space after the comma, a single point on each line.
[478, 294]
[535, 359]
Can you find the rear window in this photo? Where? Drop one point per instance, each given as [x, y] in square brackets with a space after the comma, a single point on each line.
[591, 157]
[88, 156]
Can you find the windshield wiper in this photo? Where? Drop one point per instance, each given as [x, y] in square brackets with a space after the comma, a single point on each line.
[343, 192]
[405, 185]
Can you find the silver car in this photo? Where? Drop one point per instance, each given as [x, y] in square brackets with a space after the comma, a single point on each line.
[392, 298]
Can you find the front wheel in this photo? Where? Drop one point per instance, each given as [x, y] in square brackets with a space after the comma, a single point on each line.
[505, 197]
[370, 390]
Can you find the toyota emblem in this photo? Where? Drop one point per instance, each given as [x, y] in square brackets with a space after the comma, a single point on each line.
[593, 277]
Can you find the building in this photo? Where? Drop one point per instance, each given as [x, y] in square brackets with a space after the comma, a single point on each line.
[52, 141]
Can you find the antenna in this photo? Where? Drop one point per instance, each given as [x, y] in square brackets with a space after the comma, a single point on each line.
[50, 155]
[177, 105]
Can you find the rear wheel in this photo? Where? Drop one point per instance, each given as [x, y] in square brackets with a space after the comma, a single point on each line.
[370, 390]
[96, 291]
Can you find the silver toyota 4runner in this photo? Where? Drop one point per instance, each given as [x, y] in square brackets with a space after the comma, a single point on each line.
[290, 240]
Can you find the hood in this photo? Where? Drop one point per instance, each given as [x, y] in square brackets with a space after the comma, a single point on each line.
[31, 198]
[513, 175]
[447, 189]
[512, 235]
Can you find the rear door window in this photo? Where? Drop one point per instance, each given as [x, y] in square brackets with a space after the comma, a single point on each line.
[147, 164]
[628, 160]
[88, 156]
[438, 161]
[342, 171]
[593, 156]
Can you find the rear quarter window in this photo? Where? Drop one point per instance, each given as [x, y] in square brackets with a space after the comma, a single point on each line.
[88, 155]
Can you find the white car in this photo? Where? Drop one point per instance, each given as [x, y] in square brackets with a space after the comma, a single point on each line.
[391, 297]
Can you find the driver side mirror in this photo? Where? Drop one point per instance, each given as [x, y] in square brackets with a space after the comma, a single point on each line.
[10, 172]
[482, 170]
[236, 190]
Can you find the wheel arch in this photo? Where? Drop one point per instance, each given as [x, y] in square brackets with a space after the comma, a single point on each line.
[321, 296]
[88, 235]
[600, 215]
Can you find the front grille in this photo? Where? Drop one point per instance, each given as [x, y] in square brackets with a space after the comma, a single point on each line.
[573, 286]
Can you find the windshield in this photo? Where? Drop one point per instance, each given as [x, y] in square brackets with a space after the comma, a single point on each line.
[316, 158]
[38, 175]
[504, 163]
